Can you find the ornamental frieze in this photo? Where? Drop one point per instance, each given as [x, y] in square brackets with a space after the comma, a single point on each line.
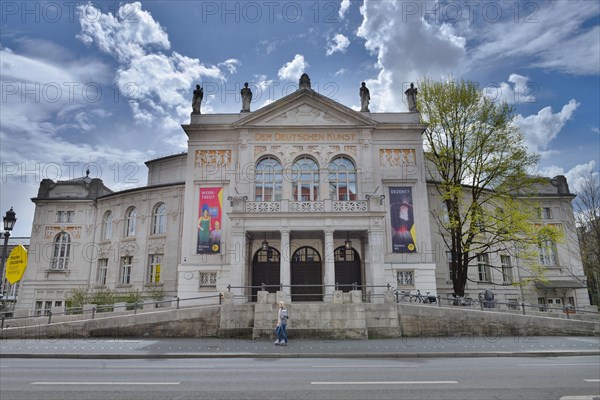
[396, 157]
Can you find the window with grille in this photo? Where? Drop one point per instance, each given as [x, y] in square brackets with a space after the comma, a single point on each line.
[405, 278]
[268, 180]
[159, 219]
[342, 180]
[125, 271]
[62, 251]
[154, 266]
[208, 279]
[130, 222]
[102, 271]
[305, 180]
[547, 252]
[507, 271]
[483, 268]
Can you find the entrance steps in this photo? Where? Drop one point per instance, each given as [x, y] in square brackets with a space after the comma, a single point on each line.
[325, 321]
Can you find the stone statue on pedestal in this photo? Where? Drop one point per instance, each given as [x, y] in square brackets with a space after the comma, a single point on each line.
[246, 97]
[364, 97]
[411, 98]
[197, 99]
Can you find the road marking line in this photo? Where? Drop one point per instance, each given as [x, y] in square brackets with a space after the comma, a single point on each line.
[105, 383]
[387, 383]
[592, 380]
[365, 366]
[557, 365]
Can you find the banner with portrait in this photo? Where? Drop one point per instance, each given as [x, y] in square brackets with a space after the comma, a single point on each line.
[209, 221]
[404, 236]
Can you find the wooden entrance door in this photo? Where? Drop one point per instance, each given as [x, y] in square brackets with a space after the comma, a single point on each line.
[265, 269]
[347, 268]
[307, 273]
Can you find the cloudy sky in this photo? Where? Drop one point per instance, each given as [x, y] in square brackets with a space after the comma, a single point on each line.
[105, 85]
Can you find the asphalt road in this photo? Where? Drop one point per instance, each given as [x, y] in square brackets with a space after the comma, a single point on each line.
[445, 378]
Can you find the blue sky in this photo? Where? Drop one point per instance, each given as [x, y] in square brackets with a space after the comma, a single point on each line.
[105, 85]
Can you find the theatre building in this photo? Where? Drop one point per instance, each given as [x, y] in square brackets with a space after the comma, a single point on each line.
[305, 196]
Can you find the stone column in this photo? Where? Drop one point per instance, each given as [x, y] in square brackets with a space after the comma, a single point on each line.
[284, 262]
[237, 255]
[329, 278]
[374, 269]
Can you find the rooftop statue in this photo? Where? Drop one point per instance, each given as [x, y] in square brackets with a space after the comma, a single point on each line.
[411, 97]
[304, 81]
[246, 97]
[197, 99]
[364, 97]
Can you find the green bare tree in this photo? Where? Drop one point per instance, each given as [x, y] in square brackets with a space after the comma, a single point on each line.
[587, 218]
[481, 171]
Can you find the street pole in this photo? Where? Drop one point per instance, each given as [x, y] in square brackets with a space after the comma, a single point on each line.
[9, 223]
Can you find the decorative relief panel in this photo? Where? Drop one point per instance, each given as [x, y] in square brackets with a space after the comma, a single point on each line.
[51, 231]
[323, 152]
[259, 150]
[349, 206]
[350, 150]
[287, 152]
[218, 158]
[303, 115]
[263, 206]
[396, 157]
[307, 206]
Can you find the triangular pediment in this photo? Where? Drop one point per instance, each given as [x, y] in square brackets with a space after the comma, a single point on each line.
[305, 107]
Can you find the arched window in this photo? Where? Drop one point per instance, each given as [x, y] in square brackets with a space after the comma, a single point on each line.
[159, 219]
[342, 180]
[305, 179]
[62, 251]
[130, 220]
[268, 180]
[107, 223]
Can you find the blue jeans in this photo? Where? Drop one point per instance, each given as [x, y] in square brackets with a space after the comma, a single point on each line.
[282, 333]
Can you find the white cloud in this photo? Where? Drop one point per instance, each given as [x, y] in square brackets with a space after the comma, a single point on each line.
[344, 6]
[576, 176]
[340, 72]
[541, 128]
[157, 85]
[439, 52]
[553, 35]
[292, 70]
[230, 64]
[517, 90]
[338, 43]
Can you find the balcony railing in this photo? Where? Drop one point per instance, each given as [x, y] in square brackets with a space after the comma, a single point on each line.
[307, 206]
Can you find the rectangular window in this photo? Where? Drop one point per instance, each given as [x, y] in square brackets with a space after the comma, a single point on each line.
[43, 307]
[546, 213]
[208, 279]
[483, 267]
[154, 266]
[102, 271]
[449, 260]
[406, 278]
[547, 251]
[513, 304]
[65, 216]
[507, 273]
[125, 272]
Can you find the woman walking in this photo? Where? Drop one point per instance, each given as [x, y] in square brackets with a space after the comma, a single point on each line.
[281, 329]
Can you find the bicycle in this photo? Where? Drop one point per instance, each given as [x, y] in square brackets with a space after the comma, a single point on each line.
[427, 299]
[403, 296]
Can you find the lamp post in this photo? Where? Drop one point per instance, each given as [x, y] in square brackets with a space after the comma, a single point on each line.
[9, 223]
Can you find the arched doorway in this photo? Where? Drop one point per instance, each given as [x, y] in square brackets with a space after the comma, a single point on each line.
[265, 269]
[306, 270]
[347, 268]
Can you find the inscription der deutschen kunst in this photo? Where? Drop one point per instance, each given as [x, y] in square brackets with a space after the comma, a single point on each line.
[304, 137]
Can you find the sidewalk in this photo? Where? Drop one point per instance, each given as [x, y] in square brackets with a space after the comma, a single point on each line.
[509, 346]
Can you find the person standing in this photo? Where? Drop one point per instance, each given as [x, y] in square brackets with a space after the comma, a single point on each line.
[281, 329]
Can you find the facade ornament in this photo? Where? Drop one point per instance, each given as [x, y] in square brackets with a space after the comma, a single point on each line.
[365, 97]
[197, 99]
[246, 98]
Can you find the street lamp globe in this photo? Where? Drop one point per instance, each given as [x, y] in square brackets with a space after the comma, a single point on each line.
[9, 220]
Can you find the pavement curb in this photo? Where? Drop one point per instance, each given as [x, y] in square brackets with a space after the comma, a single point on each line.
[565, 353]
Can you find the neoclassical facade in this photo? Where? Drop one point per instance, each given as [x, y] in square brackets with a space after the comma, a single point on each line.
[304, 195]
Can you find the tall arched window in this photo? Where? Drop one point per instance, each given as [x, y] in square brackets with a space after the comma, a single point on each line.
[62, 251]
[107, 223]
[268, 180]
[305, 179]
[342, 179]
[159, 219]
[130, 221]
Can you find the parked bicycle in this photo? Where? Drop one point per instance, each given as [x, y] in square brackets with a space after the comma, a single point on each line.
[427, 299]
[462, 301]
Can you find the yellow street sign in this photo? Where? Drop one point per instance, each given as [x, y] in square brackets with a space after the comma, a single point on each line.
[16, 264]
